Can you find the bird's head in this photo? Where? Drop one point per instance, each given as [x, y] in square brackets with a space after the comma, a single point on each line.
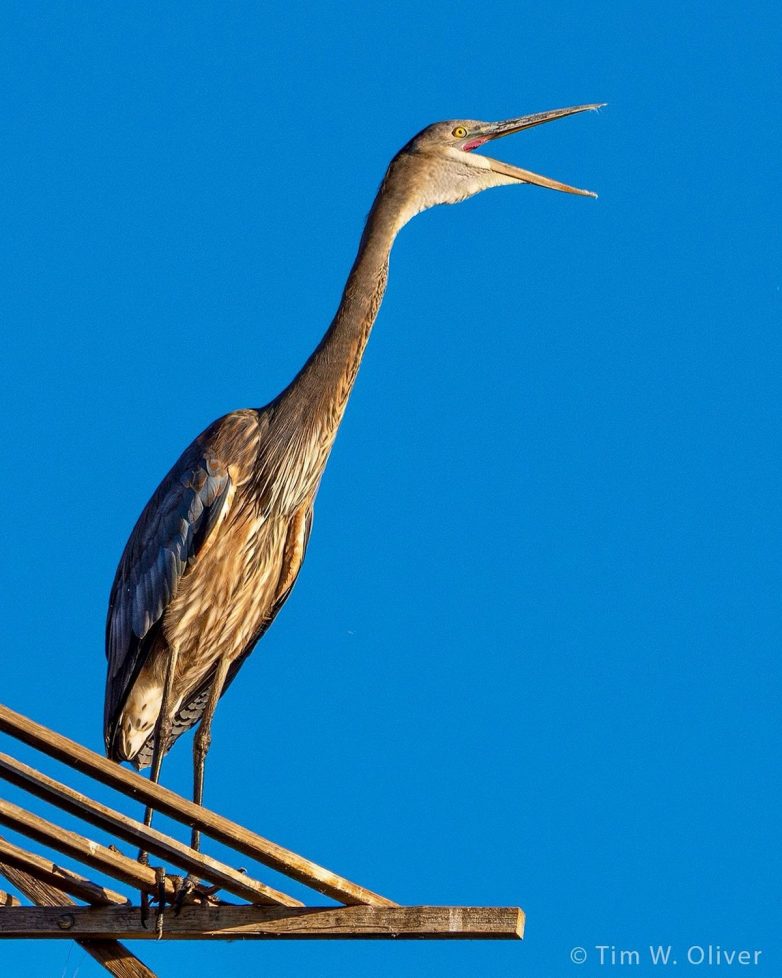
[440, 165]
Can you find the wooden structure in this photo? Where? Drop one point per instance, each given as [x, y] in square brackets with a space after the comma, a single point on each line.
[105, 915]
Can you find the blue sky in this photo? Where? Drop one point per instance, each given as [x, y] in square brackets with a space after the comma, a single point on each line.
[532, 657]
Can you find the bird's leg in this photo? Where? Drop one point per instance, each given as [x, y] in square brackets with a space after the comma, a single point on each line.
[201, 742]
[160, 878]
[163, 727]
[203, 739]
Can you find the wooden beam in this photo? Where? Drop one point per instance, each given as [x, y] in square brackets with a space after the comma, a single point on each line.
[112, 955]
[183, 810]
[143, 836]
[84, 850]
[8, 900]
[279, 923]
[48, 872]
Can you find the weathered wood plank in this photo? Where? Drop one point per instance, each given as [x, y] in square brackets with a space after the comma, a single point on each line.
[48, 872]
[84, 850]
[145, 837]
[278, 923]
[183, 810]
[112, 955]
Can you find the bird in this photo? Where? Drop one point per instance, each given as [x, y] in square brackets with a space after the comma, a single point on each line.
[217, 549]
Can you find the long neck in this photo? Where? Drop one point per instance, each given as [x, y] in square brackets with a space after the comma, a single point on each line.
[307, 414]
[323, 385]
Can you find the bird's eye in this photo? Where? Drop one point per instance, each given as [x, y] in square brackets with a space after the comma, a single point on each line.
[459, 132]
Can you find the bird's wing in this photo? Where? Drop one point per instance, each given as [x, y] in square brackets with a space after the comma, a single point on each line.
[165, 541]
[193, 708]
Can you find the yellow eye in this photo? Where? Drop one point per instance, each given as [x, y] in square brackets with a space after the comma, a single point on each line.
[459, 132]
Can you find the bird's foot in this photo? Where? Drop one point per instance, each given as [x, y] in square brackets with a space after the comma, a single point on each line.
[188, 892]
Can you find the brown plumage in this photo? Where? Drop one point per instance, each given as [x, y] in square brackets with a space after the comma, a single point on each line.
[217, 549]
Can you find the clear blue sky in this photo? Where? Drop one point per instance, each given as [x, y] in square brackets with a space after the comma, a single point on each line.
[532, 657]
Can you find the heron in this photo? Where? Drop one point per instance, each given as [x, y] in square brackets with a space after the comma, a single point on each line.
[217, 549]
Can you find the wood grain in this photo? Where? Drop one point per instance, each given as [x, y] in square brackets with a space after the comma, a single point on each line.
[63, 879]
[82, 849]
[183, 810]
[276, 923]
[8, 899]
[112, 955]
[143, 836]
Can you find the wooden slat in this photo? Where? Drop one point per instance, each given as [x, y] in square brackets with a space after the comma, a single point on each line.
[8, 899]
[114, 957]
[84, 850]
[48, 872]
[183, 810]
[141, 835]
[231, 922]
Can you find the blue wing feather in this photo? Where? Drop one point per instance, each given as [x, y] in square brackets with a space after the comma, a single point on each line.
[164, 543]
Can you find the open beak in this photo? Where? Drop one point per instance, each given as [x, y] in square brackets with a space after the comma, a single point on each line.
[496, 130]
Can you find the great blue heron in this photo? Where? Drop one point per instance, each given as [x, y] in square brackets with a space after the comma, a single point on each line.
[218, 547]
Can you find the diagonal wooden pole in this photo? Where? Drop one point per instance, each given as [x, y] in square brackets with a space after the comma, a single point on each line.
[148, 839]
[87, 851]
[114, 957]
[48, 872]
[182, 810]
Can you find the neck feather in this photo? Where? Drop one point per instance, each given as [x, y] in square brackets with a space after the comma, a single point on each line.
[323, 385]
[307, 414]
